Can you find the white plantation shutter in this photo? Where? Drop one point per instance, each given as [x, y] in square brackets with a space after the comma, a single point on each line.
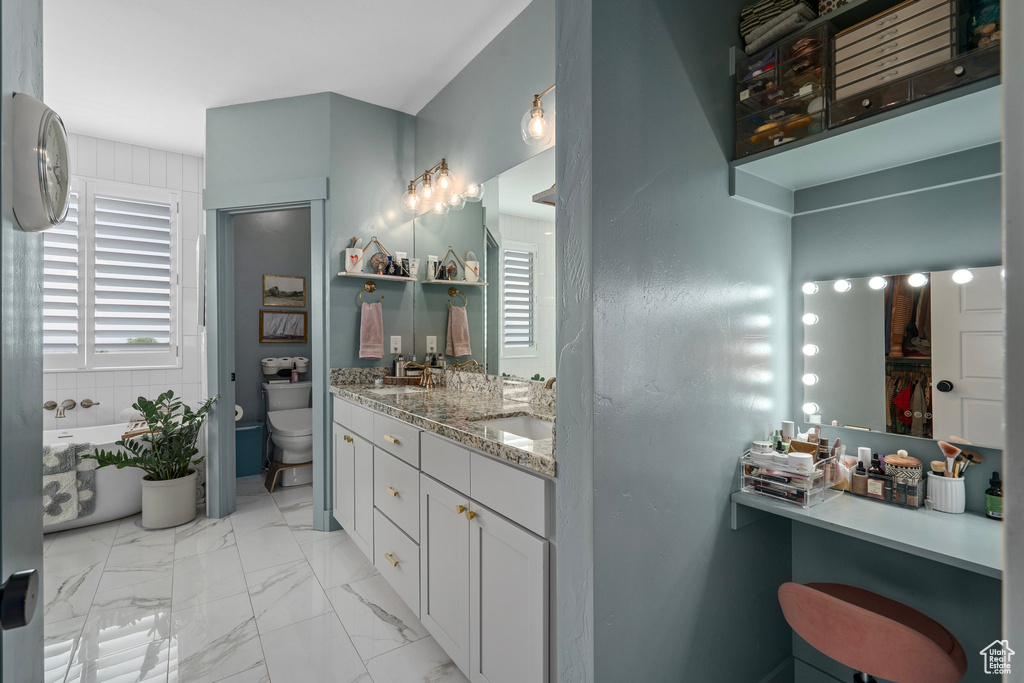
[63, 310]
[132, 277]
[518, 297]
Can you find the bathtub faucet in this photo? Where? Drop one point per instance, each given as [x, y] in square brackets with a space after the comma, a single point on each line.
[66, 405]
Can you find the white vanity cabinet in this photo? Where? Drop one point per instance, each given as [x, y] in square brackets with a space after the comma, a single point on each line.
[353, 478]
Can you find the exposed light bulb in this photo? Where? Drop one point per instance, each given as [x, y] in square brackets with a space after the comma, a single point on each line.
[963, 276]
[878, 283]
[474, 192]
[810, 288]
[917, 280]
[810, 319]
[538, 127]
[810, 350]
[410, 202]
[842, 286]
[444, 181]
[810, 379]
[427, 191]
[440, 208]
[811, 408]
[457, 202]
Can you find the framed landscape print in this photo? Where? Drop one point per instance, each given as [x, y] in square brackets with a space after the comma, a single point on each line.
[283, 327]
[283, 290]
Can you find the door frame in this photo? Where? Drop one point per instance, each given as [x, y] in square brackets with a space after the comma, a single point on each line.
[221, 205]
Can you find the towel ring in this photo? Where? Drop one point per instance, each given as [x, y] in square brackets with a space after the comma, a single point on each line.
[452, 292]
[371, 287]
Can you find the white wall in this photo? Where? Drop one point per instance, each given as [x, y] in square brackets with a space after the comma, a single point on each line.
[541, 233]
[96, 159]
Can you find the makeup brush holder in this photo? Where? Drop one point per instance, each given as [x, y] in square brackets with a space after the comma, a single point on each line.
[947, 494]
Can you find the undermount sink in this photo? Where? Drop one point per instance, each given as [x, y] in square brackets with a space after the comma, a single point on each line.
[526, 426]
[384, 391]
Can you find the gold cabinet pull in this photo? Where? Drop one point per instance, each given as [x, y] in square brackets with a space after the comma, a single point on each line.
[391, 490]
[391, 558]
[459, 509]
[349, 438]
[470, 514]
[392, 439]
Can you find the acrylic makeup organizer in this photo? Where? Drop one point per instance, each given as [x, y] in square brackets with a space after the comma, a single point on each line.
[761, 475]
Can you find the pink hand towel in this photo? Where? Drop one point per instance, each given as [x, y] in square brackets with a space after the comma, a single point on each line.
[458, 333]
[371, 332]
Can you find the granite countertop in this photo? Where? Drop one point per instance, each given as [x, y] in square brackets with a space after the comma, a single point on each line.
[455, 414]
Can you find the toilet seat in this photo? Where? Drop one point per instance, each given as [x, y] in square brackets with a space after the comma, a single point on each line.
[297, 422]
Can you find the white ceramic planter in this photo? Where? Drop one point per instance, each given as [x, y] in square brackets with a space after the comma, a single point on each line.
[947, 493]
[168, 503]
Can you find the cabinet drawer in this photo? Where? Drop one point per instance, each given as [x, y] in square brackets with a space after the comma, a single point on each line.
[397, 559]
[869, 103]
[522, 497]
[897, 22]
[969, 67]
[397, 438]
[445, 461]
[897, 59]
[893, 74]
[342, 412]
[362, 422]
[396, 492]
[896, 52]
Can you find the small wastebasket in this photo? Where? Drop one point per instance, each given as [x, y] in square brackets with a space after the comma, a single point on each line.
[248, 448]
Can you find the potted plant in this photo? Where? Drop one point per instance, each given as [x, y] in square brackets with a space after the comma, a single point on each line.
[165, 453]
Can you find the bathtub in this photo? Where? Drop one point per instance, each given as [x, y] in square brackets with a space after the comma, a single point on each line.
[118, 492]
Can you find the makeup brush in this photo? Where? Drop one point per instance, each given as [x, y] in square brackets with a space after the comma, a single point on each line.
[949, 451]
[938, 467]
[972, 458]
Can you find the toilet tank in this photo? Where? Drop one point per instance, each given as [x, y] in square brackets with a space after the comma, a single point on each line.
[287, 395]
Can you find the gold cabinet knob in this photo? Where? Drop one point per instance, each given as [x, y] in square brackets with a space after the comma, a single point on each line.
[392, 439]
[470, 514]
[391, 490]
[391, 558]
[349, 438]
[459, 509]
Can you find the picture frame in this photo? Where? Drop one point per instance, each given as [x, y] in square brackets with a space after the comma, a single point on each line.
[284, 290]
[283, 327]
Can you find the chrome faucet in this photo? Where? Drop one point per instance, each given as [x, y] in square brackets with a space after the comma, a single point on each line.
[66, 405]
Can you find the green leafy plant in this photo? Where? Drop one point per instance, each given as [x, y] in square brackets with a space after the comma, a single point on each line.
[537, 378]
[167, 451]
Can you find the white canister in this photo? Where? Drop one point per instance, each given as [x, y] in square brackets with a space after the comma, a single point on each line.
[947, 494]
[472, 271]
[353, 260]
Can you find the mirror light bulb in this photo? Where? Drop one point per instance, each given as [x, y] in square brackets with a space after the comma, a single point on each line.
[810, 379]
[963, 276]
[811, 408]
[843, 286]
[917, 280]
[878, 283]
[538, 127]
[444, 181]
[810, 350]
[810, 288]
[810, 319]
[474, 192]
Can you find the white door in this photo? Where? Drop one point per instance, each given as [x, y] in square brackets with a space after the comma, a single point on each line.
[968, 357]
[444, 568]
[344, 477]
[508, 601]
[362, 527]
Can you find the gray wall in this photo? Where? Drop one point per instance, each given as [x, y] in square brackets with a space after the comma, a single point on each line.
[21, 383]
[267, 243]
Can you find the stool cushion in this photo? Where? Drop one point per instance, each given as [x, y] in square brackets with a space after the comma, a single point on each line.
[872, 633]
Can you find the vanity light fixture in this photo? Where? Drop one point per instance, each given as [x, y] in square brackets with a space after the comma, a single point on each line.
[474, 192]
[538, 126]
[842, 286]
[878, 283]
[457, 202]
[433, 190]
[811, 408]
[810, 379]
[810, 319]
[810, 350]
[962, 276]
[810, 288]
[917, 280]
[439, 208]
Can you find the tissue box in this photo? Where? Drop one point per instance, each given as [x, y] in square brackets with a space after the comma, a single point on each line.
[826, 6]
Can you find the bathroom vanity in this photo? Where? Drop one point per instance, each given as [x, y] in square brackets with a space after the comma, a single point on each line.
[456, 513]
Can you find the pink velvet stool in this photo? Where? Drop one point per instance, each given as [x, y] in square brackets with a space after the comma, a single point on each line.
[872, 634]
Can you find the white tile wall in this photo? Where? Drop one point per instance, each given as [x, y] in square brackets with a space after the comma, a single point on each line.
[94, 159]
[542, 234]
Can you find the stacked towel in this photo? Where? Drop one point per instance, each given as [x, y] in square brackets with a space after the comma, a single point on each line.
[766, 21]
[69, 482]
[458, 333]
[371, 332]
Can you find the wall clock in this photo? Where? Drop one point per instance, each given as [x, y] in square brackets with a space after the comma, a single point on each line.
[42, 185]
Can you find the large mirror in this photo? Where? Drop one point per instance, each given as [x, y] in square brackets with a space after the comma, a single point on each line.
[916, 354]
[511, 309]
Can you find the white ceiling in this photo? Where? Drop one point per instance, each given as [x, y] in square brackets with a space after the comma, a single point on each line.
[517, 186]
[145, 72]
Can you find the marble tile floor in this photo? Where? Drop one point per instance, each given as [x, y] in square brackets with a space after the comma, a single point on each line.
[257, 597]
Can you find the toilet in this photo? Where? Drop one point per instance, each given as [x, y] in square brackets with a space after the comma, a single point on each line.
[291, 427]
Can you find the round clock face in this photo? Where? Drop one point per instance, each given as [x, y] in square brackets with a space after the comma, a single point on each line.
[53, 161]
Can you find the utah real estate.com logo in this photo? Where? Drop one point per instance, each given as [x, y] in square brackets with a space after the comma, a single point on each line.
[997, 657]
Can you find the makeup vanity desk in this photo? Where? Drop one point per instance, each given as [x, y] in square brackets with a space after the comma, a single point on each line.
[969, 541]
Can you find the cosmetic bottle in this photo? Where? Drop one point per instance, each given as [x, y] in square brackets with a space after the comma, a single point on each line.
[399, 366]
[994, 498]
[860, 480]
[295, 373]
[876, 480]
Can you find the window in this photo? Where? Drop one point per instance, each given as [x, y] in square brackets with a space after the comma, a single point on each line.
[110, 280]
[518, 298]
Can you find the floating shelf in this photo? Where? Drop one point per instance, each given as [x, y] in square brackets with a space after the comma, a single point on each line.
[374, 276]
[460, 283]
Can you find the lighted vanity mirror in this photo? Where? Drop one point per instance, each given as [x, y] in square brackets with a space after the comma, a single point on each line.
[917, 354]
[512, 236]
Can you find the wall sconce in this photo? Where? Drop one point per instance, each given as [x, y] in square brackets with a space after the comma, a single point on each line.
[538, 126]
[435, 192]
